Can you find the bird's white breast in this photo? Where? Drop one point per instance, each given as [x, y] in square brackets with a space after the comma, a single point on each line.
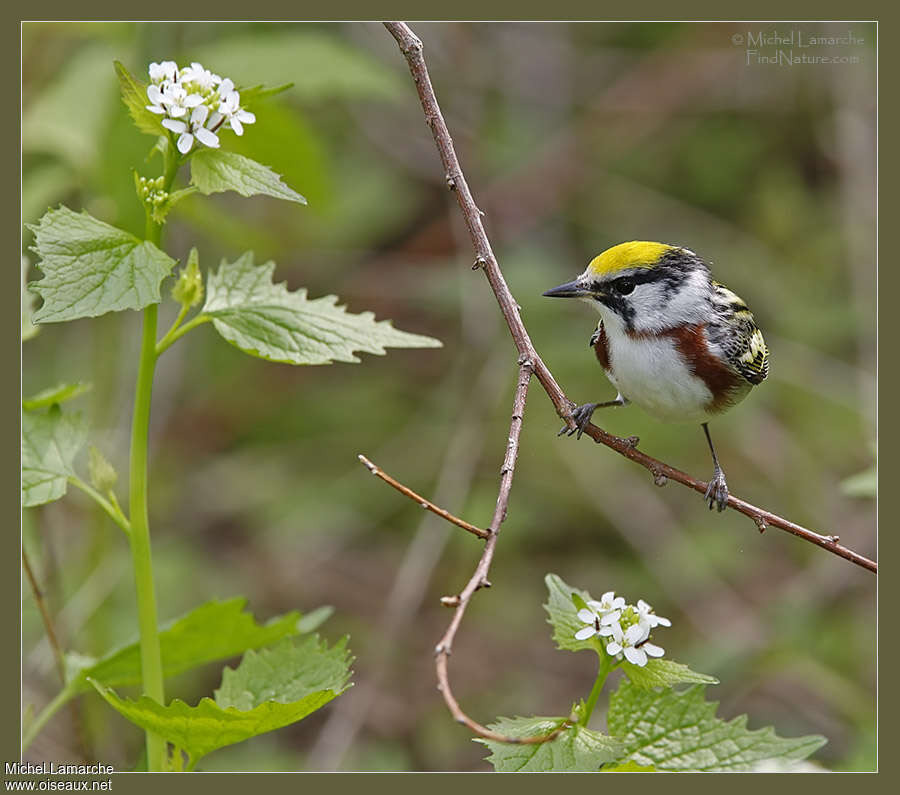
[650, 372]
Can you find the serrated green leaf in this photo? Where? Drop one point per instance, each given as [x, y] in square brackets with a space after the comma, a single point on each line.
[50, 443]
[285, 672]
[134, 95]
[91, 268]
[575, 749]
[213, 631]
[268, 690]
[55, 394]
[29, 299]
[563, 614]
[663, 673]
[206, 727]
[679, 731]
[217, 171]
[264, 319]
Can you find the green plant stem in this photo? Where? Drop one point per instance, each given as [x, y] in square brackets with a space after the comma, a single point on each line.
[177, 331]
[151, 661]
[62, 698]
[111, 507]
[606, 665]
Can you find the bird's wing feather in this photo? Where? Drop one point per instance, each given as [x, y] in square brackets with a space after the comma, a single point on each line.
[746, 350]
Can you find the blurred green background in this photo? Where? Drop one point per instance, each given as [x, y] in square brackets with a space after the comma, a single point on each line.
[573, 137]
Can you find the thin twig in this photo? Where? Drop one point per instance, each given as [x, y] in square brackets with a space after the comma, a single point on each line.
[45, 617]
[479, 578]
[427, 504]
[411, 47]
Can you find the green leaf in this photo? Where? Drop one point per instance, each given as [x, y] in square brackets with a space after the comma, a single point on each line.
[863, 484]
[49, 444]
[55, 394]
[629, 767]
[213, 631]
[267, 691]
[320, 65]
[134, 95]
[217, 171]
[91, 268]
[563, 614]
[679, 731]
[575, 749]
[314, 619]
[206, 727]
[28, 301]
[264, 319]
[252, 95]
[663, 673]
[286, 672]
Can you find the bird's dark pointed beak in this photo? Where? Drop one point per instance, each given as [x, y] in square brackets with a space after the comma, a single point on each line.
[568, 290]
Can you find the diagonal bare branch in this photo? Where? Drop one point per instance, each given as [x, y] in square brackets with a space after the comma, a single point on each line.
[411, 47]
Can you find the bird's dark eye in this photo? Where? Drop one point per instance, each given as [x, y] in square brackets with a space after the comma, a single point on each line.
[623, 286]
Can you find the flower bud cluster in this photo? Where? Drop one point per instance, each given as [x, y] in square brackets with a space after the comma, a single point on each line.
[151, 192]
[196, 103]
[625, 629]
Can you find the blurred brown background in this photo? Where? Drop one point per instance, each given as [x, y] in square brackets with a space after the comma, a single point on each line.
[573, 137]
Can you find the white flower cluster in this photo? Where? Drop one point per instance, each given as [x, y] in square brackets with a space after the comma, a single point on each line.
[627, 627]
[196, 103]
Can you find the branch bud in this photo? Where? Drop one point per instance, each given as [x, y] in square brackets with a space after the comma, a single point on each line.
[188, 289]
[103, 475]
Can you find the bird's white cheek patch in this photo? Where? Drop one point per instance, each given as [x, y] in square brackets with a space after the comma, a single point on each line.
[652, 374]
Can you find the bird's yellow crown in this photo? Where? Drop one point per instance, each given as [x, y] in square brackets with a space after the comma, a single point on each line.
[634, 254]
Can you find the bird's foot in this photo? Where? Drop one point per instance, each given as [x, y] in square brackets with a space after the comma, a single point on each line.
[717, 491]
[581, 416]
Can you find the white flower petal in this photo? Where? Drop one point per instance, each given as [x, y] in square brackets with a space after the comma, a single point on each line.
[611, 618]
[207, 138]
[643, 607]
[595, 605]
[608, 597]
[613, 648]
[199, 114]
[247, 117]
[226, 87]
[618, 603]
[236, 125]
[584, 633]
[635, 656]
[185, 142]
[155, 109]
[605, 632]
[193, 100]
[177, 110]
[586, 615]
[663, 622]
[653, 650]
[635, 634]
[174, 126]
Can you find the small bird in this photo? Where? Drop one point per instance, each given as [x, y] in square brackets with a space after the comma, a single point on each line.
[671, 339]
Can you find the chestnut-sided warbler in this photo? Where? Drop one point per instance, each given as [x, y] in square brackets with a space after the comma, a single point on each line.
[678, 344]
